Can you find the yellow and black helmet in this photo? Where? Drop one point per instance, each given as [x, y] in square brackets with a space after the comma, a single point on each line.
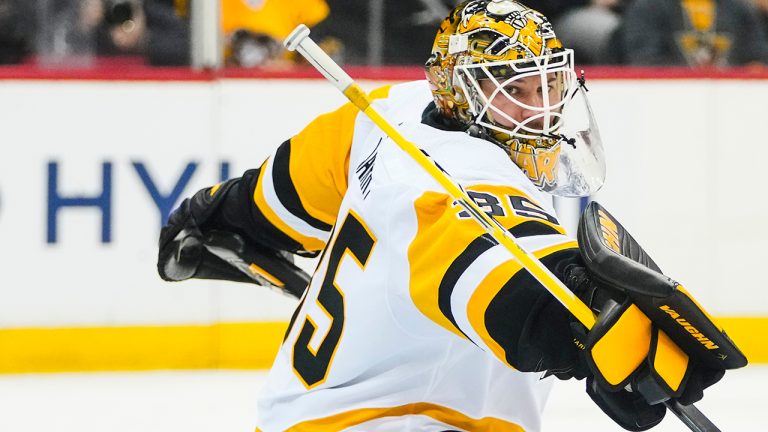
[485, 48]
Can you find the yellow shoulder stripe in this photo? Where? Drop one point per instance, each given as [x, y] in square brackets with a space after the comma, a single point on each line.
[320, 160]
[440, 239]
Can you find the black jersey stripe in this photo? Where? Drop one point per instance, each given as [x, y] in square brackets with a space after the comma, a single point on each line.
[259, 227]
[532, 228]
[476, 248]
[286, 190]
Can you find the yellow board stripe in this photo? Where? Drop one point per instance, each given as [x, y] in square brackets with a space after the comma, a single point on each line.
[440, 413]
[224, 345]
[749, 335]
[309, 243]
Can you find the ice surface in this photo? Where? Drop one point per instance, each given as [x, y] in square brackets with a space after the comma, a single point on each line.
[197, 401]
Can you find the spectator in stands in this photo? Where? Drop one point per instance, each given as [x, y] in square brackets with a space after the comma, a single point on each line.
[123, 27]
[554, 9]
[762, 7]
[158, 30]
[253, 32]
[698, 33]
[589, 28]
[168, 32]
[16, 30]
[362, 26]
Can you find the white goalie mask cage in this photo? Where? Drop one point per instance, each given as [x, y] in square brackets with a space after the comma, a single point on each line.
[552, 136]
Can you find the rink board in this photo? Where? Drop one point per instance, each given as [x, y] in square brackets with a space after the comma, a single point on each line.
[90, 167]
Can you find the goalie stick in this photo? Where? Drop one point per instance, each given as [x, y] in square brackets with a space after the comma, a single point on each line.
[272, 271]
[300, 41]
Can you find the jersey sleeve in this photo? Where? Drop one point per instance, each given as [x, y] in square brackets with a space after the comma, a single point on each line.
[291, 201]
[465, 281]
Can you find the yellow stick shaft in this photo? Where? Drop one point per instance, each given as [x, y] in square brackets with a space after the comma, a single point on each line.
[299, 40]
[358, 97]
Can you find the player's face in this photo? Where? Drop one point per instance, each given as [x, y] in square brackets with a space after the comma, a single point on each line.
[527, 91]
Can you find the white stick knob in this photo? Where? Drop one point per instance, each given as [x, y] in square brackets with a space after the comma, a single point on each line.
[300, 41]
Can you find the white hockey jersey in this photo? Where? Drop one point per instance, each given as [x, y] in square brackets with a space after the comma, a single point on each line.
[403, 326]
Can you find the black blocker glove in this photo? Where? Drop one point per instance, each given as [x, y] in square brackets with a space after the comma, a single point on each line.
[194, 245]
[182, 254]
[633, 365]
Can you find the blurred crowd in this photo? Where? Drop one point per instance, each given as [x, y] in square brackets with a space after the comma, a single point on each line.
[696, 33]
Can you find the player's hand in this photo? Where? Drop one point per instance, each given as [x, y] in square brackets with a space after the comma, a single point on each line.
[181, 248]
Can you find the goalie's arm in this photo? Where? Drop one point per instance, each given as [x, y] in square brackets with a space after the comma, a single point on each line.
[469, 284]
[288, 204]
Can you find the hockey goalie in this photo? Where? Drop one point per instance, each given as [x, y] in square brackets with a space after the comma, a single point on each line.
[416, 319]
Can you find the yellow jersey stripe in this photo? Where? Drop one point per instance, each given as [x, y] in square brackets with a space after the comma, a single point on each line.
[440, 413]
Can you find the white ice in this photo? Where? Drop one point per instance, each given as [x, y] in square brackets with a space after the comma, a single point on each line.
[220, 401]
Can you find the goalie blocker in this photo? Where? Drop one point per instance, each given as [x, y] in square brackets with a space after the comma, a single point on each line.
[649, 307]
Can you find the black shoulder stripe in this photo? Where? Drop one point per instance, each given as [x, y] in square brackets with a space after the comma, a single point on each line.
[532, 228]
[286, 191]
[456, 269]
[259, 227]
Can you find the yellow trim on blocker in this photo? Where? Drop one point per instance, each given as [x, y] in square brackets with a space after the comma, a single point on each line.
[669, 361]
[624, 347]
[440, 413]
[224, 345]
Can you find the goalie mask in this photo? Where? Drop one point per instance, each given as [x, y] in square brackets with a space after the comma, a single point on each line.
[498, 69]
